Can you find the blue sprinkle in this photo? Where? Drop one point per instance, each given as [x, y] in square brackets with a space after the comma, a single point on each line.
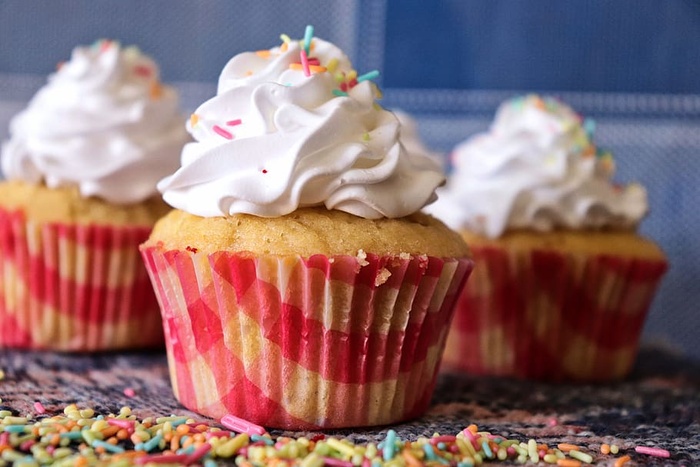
[15, 428]
[389, 450]
[429, 452]
[210, 463]
[308, 34]
[487, 449]
[107, 447]
[339, 93]
[152, 443]
[264, 439]
[139, 447]
[187, 450]
[462, 464]
[589, 125]
[367, 76]
[70, 435]
[441, 446]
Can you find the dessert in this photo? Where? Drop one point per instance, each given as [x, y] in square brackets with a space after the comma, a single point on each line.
[82, 164]
[300, 287]
[562, 281]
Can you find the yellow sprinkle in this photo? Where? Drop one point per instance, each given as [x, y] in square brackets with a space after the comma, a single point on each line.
[365, 137]
[340, 447]
[332, 65]
[194, 118]
[231, 446]
[614, 448]
[352, 74]
[285, 38]
[583, 457]
[532, 451]
[2, 375]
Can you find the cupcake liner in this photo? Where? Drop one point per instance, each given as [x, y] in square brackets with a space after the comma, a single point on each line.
[294, 343]
[551, 315]
[74, 287]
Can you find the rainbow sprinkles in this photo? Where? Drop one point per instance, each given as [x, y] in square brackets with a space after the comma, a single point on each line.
[309, 65]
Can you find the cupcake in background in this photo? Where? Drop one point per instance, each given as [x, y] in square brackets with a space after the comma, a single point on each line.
[562, 281]
[300, 286]
[82, 163]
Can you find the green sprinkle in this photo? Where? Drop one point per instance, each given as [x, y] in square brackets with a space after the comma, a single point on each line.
[339, 93]
[367, 76]
[17, 428]
[487, 449]
[582, 456]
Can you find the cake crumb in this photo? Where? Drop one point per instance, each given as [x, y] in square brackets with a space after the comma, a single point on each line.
[382, 277]
[362, 257]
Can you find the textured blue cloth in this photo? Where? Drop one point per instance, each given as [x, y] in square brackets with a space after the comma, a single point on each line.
[632, 65]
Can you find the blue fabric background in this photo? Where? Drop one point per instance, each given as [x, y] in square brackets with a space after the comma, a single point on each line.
[633, 65]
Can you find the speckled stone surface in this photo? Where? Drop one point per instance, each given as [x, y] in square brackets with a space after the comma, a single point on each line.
[658, 405]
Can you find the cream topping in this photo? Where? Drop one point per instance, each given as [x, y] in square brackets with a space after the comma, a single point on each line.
[290, 129]
[103, 122]
[536, 168]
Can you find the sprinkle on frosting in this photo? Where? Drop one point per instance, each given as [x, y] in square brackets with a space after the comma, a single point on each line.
[536, 168]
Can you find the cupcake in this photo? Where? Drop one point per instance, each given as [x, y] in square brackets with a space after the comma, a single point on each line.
[82, 164]
[299, 284]
[562, 281]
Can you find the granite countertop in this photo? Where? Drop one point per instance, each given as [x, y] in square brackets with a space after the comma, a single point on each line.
[658, 405]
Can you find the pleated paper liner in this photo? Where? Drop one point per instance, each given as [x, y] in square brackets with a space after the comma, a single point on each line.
[74, 287]
[553, 316]
[294, 343]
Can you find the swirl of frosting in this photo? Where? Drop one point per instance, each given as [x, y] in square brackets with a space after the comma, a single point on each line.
[103, 122]
[289, 129]
[537, 168]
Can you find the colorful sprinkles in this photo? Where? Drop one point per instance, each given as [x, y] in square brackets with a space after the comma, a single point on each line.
[81, 437]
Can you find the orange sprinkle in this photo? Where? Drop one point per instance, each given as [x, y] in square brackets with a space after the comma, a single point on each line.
[249, 73]
[156, 90]
[188, 442]
[473, 428]
[59, 65]
[194, 118]
[568, 463]
[410, 459]
[55, 439]
[622, 460]
[312, 68]
[99, 450]
[136, 439]
[182, 429]
[542, 447]
[263, 53]
[113, 440]
[110, 431]
[122, 434]
[605, 448]
[566, 447]
[175, 443]
[82, 461]
[284, 47]
[199, 437]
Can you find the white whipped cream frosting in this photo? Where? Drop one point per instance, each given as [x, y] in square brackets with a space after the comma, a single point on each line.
[536, 168]
[103, 122]
[274, 139]
[412, 141]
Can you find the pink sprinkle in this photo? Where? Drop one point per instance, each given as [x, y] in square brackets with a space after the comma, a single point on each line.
[129, 392]
[222, 132]
[510, 450]
[27, 445]
[336, 462]
[39, 408]
[198, 453]
[366, 462]
[305, 63]
[552, 422]
[4, 438]
[161, 459]
[121, 423]
[239, 425]
[234, 122]
[656, 452]
[50, 448]
[142, 70]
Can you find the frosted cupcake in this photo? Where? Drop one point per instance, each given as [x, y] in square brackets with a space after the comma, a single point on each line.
[562, 282]
[300, 286]
[82, 164]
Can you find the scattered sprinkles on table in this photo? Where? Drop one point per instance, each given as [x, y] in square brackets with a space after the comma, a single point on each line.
[81, 437]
